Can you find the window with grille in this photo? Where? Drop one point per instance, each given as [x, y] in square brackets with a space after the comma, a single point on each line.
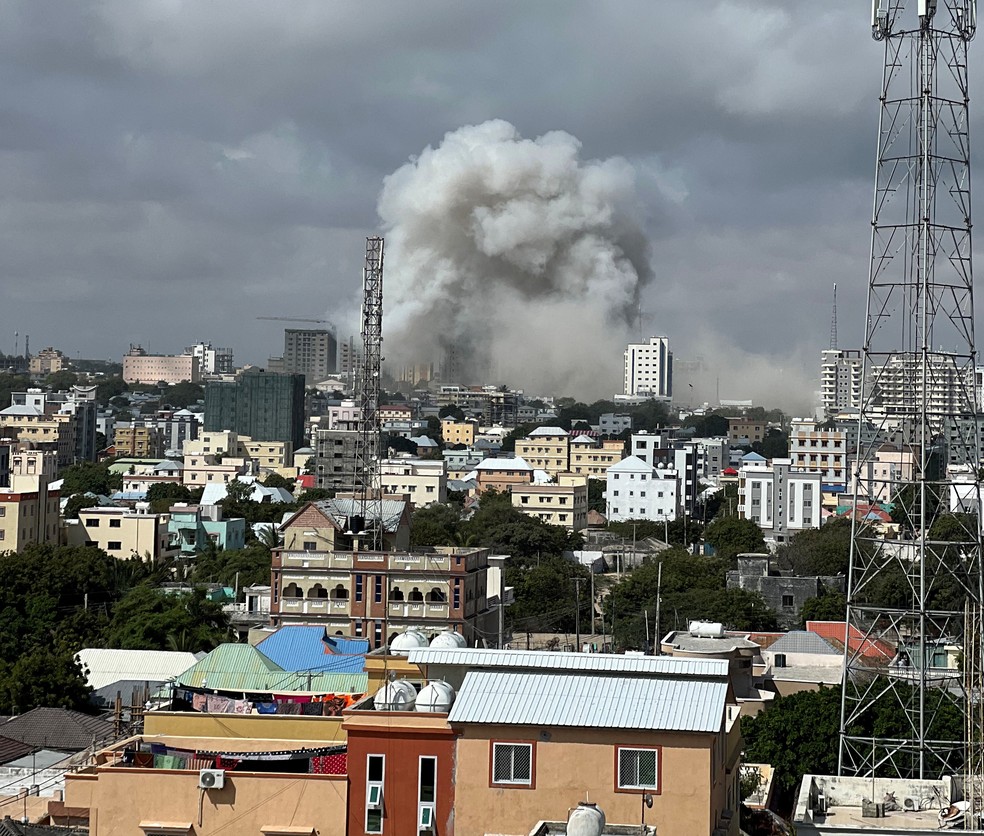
[638, 769]
[512, 763]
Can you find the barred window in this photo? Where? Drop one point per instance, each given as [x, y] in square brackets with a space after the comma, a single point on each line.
[512, 763]
[638, 769]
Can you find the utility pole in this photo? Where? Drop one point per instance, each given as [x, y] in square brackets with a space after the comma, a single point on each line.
[659, 600]
[577, 612]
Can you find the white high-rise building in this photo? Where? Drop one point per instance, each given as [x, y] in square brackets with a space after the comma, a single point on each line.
[840, 380]
[649, 369]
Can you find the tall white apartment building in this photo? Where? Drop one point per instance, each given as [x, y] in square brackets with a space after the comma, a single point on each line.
[840, 380]
[637, 491]
[649, 368]
[779, 499]
[897, 387]
[212, 361]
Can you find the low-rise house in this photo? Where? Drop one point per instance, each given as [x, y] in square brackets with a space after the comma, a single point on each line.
[123, 532]
[422, 481]
[502, 474]
[563, 504]
[196, 527]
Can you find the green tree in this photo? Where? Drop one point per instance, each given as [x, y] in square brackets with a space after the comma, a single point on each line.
[109, 388]
[49, 677]
[451, 411]
[315, 495]
[547, 598]
[828, 606]
[149, 619]
[252, 565]
[89, 477]
[731, 536]
[275, 480]
[775, 444]
[498, 526]
[75, 503]
[61, 380]
[596, 495]
[182, 395]
[11, 383]
[434, 525]
[819, 551]
[162, 495]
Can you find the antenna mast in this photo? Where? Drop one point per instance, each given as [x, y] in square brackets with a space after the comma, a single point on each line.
[367, 476]
[833, 321]
[908, 591]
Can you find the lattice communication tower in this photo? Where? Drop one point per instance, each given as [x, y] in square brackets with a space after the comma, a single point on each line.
[368, 491]
[918, 435]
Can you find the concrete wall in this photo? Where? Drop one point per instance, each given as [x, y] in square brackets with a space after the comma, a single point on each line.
[264, 727]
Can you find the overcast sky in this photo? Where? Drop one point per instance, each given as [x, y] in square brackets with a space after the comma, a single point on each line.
[171, 170]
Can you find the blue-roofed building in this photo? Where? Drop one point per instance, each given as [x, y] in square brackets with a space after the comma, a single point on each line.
[301, 647]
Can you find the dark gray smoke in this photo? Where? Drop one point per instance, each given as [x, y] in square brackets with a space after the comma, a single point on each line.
[524, 257]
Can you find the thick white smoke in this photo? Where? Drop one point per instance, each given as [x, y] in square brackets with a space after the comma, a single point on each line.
[525, 258]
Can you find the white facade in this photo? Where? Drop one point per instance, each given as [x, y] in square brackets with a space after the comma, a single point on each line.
[820, 450]
[637, 491]
[882, 475]
[212, 361]
[779, 499]
[423, 481]
[649, 369]
[840, 380]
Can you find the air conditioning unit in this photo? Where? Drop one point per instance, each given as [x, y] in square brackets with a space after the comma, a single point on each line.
[211, 779]
[425, 817]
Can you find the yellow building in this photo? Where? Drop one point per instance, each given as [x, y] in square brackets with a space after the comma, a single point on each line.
[139, 441]
[564, 504]
[592, 459]
[54, 432]
[546, 448]
[458, 432]
[123, 533]
[28, 510]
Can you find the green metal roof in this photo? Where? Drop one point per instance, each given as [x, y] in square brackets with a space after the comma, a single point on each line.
[242, 668]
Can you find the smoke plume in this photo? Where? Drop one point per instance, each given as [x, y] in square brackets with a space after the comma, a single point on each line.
[514, 257]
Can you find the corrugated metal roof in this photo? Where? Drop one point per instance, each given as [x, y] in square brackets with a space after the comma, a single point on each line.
[340, 509]
[242, 668]
[474, 657]
[301, 647]
[610, 702]
[107, 666]
[804, 641]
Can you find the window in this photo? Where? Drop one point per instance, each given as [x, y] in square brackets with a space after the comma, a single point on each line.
[93, 523]
[114, 545]
[3, 512]
[426, 793]
[375, 771]
[358, 587]
[115, 523]
[377, 592]
[512, 764]
[787, 600]
[638, 769]
[310, 545]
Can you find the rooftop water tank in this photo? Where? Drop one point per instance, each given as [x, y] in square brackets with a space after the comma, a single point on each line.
[449, 639]
[586, 819]
[707, 629]
[395, 696]
[408, 640]
[435, 697]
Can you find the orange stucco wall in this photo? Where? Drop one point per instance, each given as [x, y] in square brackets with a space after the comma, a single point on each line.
[575, 765]
[123, 798]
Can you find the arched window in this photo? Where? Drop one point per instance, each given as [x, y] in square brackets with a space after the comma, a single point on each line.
[437, 596]
[292, 590]
[340, 593]
[317, 591]
[396, 594]
[415, 595]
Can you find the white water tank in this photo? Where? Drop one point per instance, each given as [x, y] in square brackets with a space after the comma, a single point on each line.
[408, 640]
[586, 819]
[449, 639]
[395, 696]
[707, 629]
[436, 697]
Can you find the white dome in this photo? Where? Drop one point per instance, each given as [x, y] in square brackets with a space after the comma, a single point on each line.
[408, 640]
[395, 696]
[448, 638]
[436, 697]
[586, 820]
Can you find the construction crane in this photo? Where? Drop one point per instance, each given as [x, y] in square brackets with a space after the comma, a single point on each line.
[292, 319]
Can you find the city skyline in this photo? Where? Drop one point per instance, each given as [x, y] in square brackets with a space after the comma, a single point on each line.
[173, 174]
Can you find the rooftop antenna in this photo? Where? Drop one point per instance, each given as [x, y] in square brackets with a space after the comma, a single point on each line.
[833, 321]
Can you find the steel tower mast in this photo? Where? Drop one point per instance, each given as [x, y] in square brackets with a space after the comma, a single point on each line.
[907, 591]
[368, 491]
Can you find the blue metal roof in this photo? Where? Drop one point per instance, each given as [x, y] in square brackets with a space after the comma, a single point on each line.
[612, 702]
[300, 647]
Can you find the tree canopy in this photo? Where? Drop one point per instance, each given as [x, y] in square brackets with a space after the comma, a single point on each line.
[731, 536]
[150, 619]
[89, 477]
[818, 551]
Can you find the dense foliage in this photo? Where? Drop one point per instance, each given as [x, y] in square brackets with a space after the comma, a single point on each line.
[731, 536]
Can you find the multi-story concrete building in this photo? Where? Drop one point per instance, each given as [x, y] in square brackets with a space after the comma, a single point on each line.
[746, 431]
[28, 509]
[422, 481]
[79, 402]
[491, 405]
[195, 527]
[564, 504]
[897, 388]
[659, 450]
[592, 459]
[311, 353]
[881, 474]
[502, 474]
[151, 369]
[638, 491]
[52, 431]
[123, 532]
[649, 369]
[547, 449]
[815, 448]
[614, 423]
[458, 432]
[778, 498]
[321, 575]
[202, 470]
[137, 439]
[334, 460]
[840, 380]
[341, 416]
[46, 361]
[262, 405]
[213, 362]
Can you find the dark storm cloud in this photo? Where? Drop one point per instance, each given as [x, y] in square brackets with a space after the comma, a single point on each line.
[170, 169]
